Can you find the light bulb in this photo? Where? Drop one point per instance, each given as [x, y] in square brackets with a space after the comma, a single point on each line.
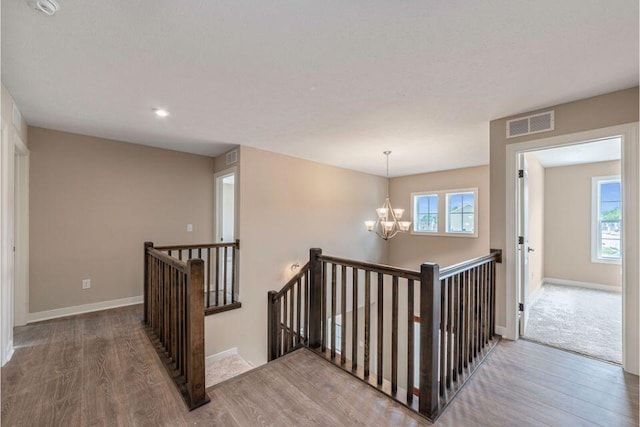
[382, 213]
[398, 213]
[369, 225]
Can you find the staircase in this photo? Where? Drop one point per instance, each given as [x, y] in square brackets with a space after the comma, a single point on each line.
[415, 335]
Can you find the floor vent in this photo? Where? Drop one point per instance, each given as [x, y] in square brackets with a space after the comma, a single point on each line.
[232, 157]
[542, 122]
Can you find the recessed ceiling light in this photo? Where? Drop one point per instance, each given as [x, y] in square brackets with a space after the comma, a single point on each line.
[161, 112]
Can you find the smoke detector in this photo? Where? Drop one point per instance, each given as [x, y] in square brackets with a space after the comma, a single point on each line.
[48, 7]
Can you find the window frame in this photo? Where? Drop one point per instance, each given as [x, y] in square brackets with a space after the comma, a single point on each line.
[596, 182]
[414, 212]
[443, 200]
[474, 191]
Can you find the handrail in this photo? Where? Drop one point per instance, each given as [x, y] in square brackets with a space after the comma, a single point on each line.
[293, 281]
[154, 252]
[454, 269]
[235, 244]
[375, 268]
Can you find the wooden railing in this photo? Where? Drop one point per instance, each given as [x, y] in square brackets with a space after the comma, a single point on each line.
[174, 315]
[448, 325]
[220, 272]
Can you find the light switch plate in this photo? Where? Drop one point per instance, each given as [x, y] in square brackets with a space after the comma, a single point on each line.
[86, 283]
[189, 228]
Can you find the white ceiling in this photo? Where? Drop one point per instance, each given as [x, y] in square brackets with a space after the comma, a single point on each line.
[590, 152]
[334, 81]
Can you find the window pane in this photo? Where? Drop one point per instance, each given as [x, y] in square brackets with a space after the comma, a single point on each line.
[610, 211]
[610, 249]
[610, 191]
[426, 213]
[461, 212]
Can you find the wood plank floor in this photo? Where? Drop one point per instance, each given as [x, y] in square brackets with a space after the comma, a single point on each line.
[100, 369]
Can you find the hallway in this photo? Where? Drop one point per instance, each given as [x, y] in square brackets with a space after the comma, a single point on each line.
[100, 368]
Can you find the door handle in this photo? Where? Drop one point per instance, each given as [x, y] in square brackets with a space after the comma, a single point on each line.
[530, 249]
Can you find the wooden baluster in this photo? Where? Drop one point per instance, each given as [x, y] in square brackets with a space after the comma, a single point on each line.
[180, 310]
[443, 337]
[354, 321]
[323, 304]
[167, 298]
[367, 320]
[450, 326]
[343, 316]
[291, 317]
[459, 325]
[285, 318]
[484, 306]
[493, 298]
[468, 314]
[279, 340]
[429, 401]
[299, 339]
[475, 312]
[410, 340]
[208, 302]
[217, 276]
[190, 254]
[272, 321]
[380, 326]
[224, 275]
[180, 254]
[146, 279]
[333, 310]
[305, 317]
[394, 335]
[233, 274]
[174, 314]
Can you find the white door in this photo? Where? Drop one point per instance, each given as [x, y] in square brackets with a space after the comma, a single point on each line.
[523, 242]
[225, 206]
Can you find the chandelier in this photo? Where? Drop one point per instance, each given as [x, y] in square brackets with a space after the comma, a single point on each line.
[388, 223]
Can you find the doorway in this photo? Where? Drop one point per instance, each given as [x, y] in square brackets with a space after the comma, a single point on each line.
[225, 206]
[630, 235]
[570, 251]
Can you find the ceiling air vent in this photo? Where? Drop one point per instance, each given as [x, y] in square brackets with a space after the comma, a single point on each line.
[232, 157]
[542, 122]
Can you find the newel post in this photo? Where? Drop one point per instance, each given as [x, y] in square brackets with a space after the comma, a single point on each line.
[429, 338]
[145, 286]
[315, 298]
[195, 369]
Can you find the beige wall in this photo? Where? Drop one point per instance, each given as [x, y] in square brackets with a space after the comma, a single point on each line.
[536, 176]
[568, 224]
[409, 250]
[587, 114]
[288, 206]
[93, 204]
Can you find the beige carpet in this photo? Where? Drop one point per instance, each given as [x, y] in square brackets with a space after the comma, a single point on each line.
[586, 321]
[223, 369]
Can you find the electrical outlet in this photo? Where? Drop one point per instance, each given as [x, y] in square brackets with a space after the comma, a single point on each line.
[86, 283]
[189, 228]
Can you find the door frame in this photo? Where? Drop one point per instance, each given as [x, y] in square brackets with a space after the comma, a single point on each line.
[218, 207]
[630, 158]
[523, 227]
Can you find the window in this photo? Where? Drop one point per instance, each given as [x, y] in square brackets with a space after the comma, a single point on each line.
[425, 208]
[606, 219]
[458, 208]
[461, 208]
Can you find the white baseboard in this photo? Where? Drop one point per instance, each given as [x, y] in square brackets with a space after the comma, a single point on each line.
[85, 308]
[579, 284]
[9, 354]
[221, 355]
[533, 296]
[501, 330]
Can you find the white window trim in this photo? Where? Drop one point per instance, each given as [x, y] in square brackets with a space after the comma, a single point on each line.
[475, 213]
[595, 232]
[413, 218]
[442, 213]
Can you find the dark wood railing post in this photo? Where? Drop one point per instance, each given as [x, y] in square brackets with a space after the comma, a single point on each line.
[273, 327]
[429, 338]
[195, 334]
[315, 298]
[145, 287]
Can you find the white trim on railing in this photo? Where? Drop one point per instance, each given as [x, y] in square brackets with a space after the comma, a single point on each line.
[85, 308]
